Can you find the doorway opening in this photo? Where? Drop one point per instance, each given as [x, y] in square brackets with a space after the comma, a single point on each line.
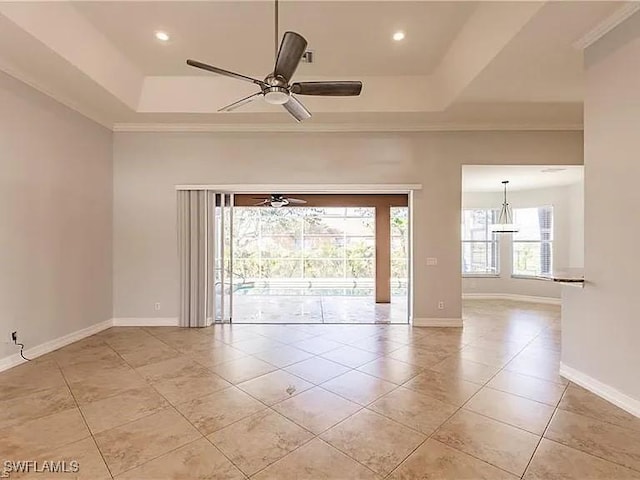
[332, 259]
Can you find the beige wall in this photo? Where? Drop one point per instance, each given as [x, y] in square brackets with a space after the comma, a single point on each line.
[148, 166]
[568, 235]
[55, 233]
[601, 323]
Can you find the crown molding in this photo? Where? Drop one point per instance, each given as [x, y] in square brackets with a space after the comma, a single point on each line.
[608, 24]
[334, 128]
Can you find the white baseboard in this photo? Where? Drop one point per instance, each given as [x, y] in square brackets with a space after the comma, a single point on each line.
[146, 322]
[511, 296]
[51, 345]
[603, 390]
[437, 322]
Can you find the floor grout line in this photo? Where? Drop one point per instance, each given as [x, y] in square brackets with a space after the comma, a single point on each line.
[375, 336]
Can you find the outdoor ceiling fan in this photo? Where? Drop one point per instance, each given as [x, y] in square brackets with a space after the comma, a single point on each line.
[278, 200]
[277, 88]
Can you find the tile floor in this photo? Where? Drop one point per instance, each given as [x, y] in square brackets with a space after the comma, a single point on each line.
[318, 309]
[319, 402]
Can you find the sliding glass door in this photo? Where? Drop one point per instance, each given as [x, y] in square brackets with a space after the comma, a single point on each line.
[222, 256]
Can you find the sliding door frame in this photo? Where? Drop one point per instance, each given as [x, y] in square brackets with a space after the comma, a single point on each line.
[371, 189]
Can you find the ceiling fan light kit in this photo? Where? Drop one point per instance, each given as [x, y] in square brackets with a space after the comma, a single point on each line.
[276, 88]
[505, 219]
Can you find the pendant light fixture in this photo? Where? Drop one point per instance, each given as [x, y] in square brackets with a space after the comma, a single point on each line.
[505, 220]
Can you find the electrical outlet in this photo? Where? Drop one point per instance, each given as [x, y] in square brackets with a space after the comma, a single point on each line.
[156, 306]
[431, 261]
[441, 305]
[14, 337]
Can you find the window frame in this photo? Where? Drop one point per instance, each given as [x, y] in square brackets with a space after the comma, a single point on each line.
[492, 238]
[550, 242]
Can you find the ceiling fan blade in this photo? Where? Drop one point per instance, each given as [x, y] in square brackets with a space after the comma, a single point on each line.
[297, 109]
[291, 50]
[337, 89]
[264, 202]
[226, 73]
[296, 201]
[231, 107]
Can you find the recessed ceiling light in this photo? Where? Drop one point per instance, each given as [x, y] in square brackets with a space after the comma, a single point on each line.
[398, 36]
[162, 36]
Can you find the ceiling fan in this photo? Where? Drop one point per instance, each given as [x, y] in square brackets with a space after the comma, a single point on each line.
[277, 88]
[278, 200]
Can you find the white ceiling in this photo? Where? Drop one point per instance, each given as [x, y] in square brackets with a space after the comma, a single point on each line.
[462, 65]
[481, 178]
[348, 38]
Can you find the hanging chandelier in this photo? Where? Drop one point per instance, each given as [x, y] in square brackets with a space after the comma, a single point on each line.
[505, 220]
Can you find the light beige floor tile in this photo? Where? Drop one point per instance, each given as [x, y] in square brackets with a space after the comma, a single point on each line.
[78, 371]
[85, 352]
[435, 461]
[359, 387]
[391, 370]
[317, 370]
[259, 440]
[209, 357]
[605, 440]
[133, 342]
[536, 367]
[443, 387]
[501, 445]
[255, 345]
[317, 345]
[151, 354]
[465, 369]
[487, 356]
[198, 460]
[85, 454]
[512, 409]
[216, 411]
[275, 386]
[35, 405]
[350, 356]
[413, 409]
[578, 400]
[283, 356]
[373, 440]
[182, 379]
[186, 339]
[317, 409]
[437, 345]
[103, 385]
[316, 461]
[122, 408]
[243, 369]
[417, 356]
[378, 345]
[135, 443]
[526, 386]
[29, 378]
[554, 461]
[34, 437]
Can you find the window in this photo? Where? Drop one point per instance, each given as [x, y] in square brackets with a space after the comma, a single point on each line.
[399, 250]
[479, 244]
[329, 250]
[533, 244]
